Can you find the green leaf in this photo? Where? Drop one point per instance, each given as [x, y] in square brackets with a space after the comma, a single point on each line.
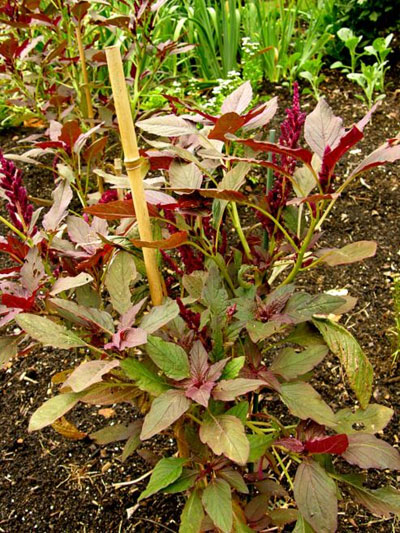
[131, 445]
[305, 335]
[116, 433]
[53, 409]
[358, 369]
[166, 471]
[85, 316]
[282, 516]
[48, 332]
[235, 480]
[315, 495]
[214, 295]
[144, 378]
[164, 411]
[291, 364]
[192, 514]
[225, 434]
[233, 367]
[351, 253]
[304, 401]
[194, 283]
[228, 389]
[373, 419]
[217, 501]
[184, 482]
[303, 306]
[367, 451]
[8, 348]
[383, 501]
[119, 277]
[159, 316]
[259, 444]
[259, 331]
[169, 357]
[302, 526]
[239, 410]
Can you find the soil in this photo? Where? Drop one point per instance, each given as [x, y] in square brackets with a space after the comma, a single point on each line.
[48, 483]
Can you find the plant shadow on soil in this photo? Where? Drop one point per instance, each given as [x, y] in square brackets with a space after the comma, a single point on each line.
[48, 483]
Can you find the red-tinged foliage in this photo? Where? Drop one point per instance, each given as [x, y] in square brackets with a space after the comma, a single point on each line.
[229, 123]
[301, 154]
[97, 260]
[174, 241]
[18, 302]
[14, 247]
[96, 149]
[70, 133]
[335, 445]
[117, 210]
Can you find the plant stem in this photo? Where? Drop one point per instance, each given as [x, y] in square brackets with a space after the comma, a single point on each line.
[236, 224]
[15, 230]
[300, 255]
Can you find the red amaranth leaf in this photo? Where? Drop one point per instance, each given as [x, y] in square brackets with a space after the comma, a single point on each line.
[70, 133]
[228, 123]
[116, 210]
[300, 154]
[11, 301]
[336, 444]
[176, 239]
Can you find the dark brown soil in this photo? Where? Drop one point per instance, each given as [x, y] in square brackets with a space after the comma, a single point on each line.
[48, 483]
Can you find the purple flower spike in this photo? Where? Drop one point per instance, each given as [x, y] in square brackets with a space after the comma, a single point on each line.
[18, 206]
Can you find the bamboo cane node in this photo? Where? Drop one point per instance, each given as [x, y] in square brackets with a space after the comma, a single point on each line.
[133, 164]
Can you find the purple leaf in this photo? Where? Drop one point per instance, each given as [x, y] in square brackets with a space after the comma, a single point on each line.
[388, 153]
[267, 114]
[127, 338]
[322, 128]
[290, 443]
[315, 495]
[62, 197]
[164, 411]
[200, 393]
[128, 318]
[32, 271]
[166, 126]
[367, 451]
[238, 100]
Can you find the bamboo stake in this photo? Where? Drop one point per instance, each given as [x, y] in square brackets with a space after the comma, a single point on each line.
[133, 163]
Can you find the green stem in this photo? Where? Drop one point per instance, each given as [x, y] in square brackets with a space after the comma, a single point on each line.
[300, 255]
[236, 224]
[15, 230]
[284, 469]
[278, 224]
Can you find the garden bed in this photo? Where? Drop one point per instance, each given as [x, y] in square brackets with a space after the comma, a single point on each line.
[53, 484]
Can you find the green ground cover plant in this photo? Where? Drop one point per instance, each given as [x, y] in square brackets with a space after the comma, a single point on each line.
[233, 326]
